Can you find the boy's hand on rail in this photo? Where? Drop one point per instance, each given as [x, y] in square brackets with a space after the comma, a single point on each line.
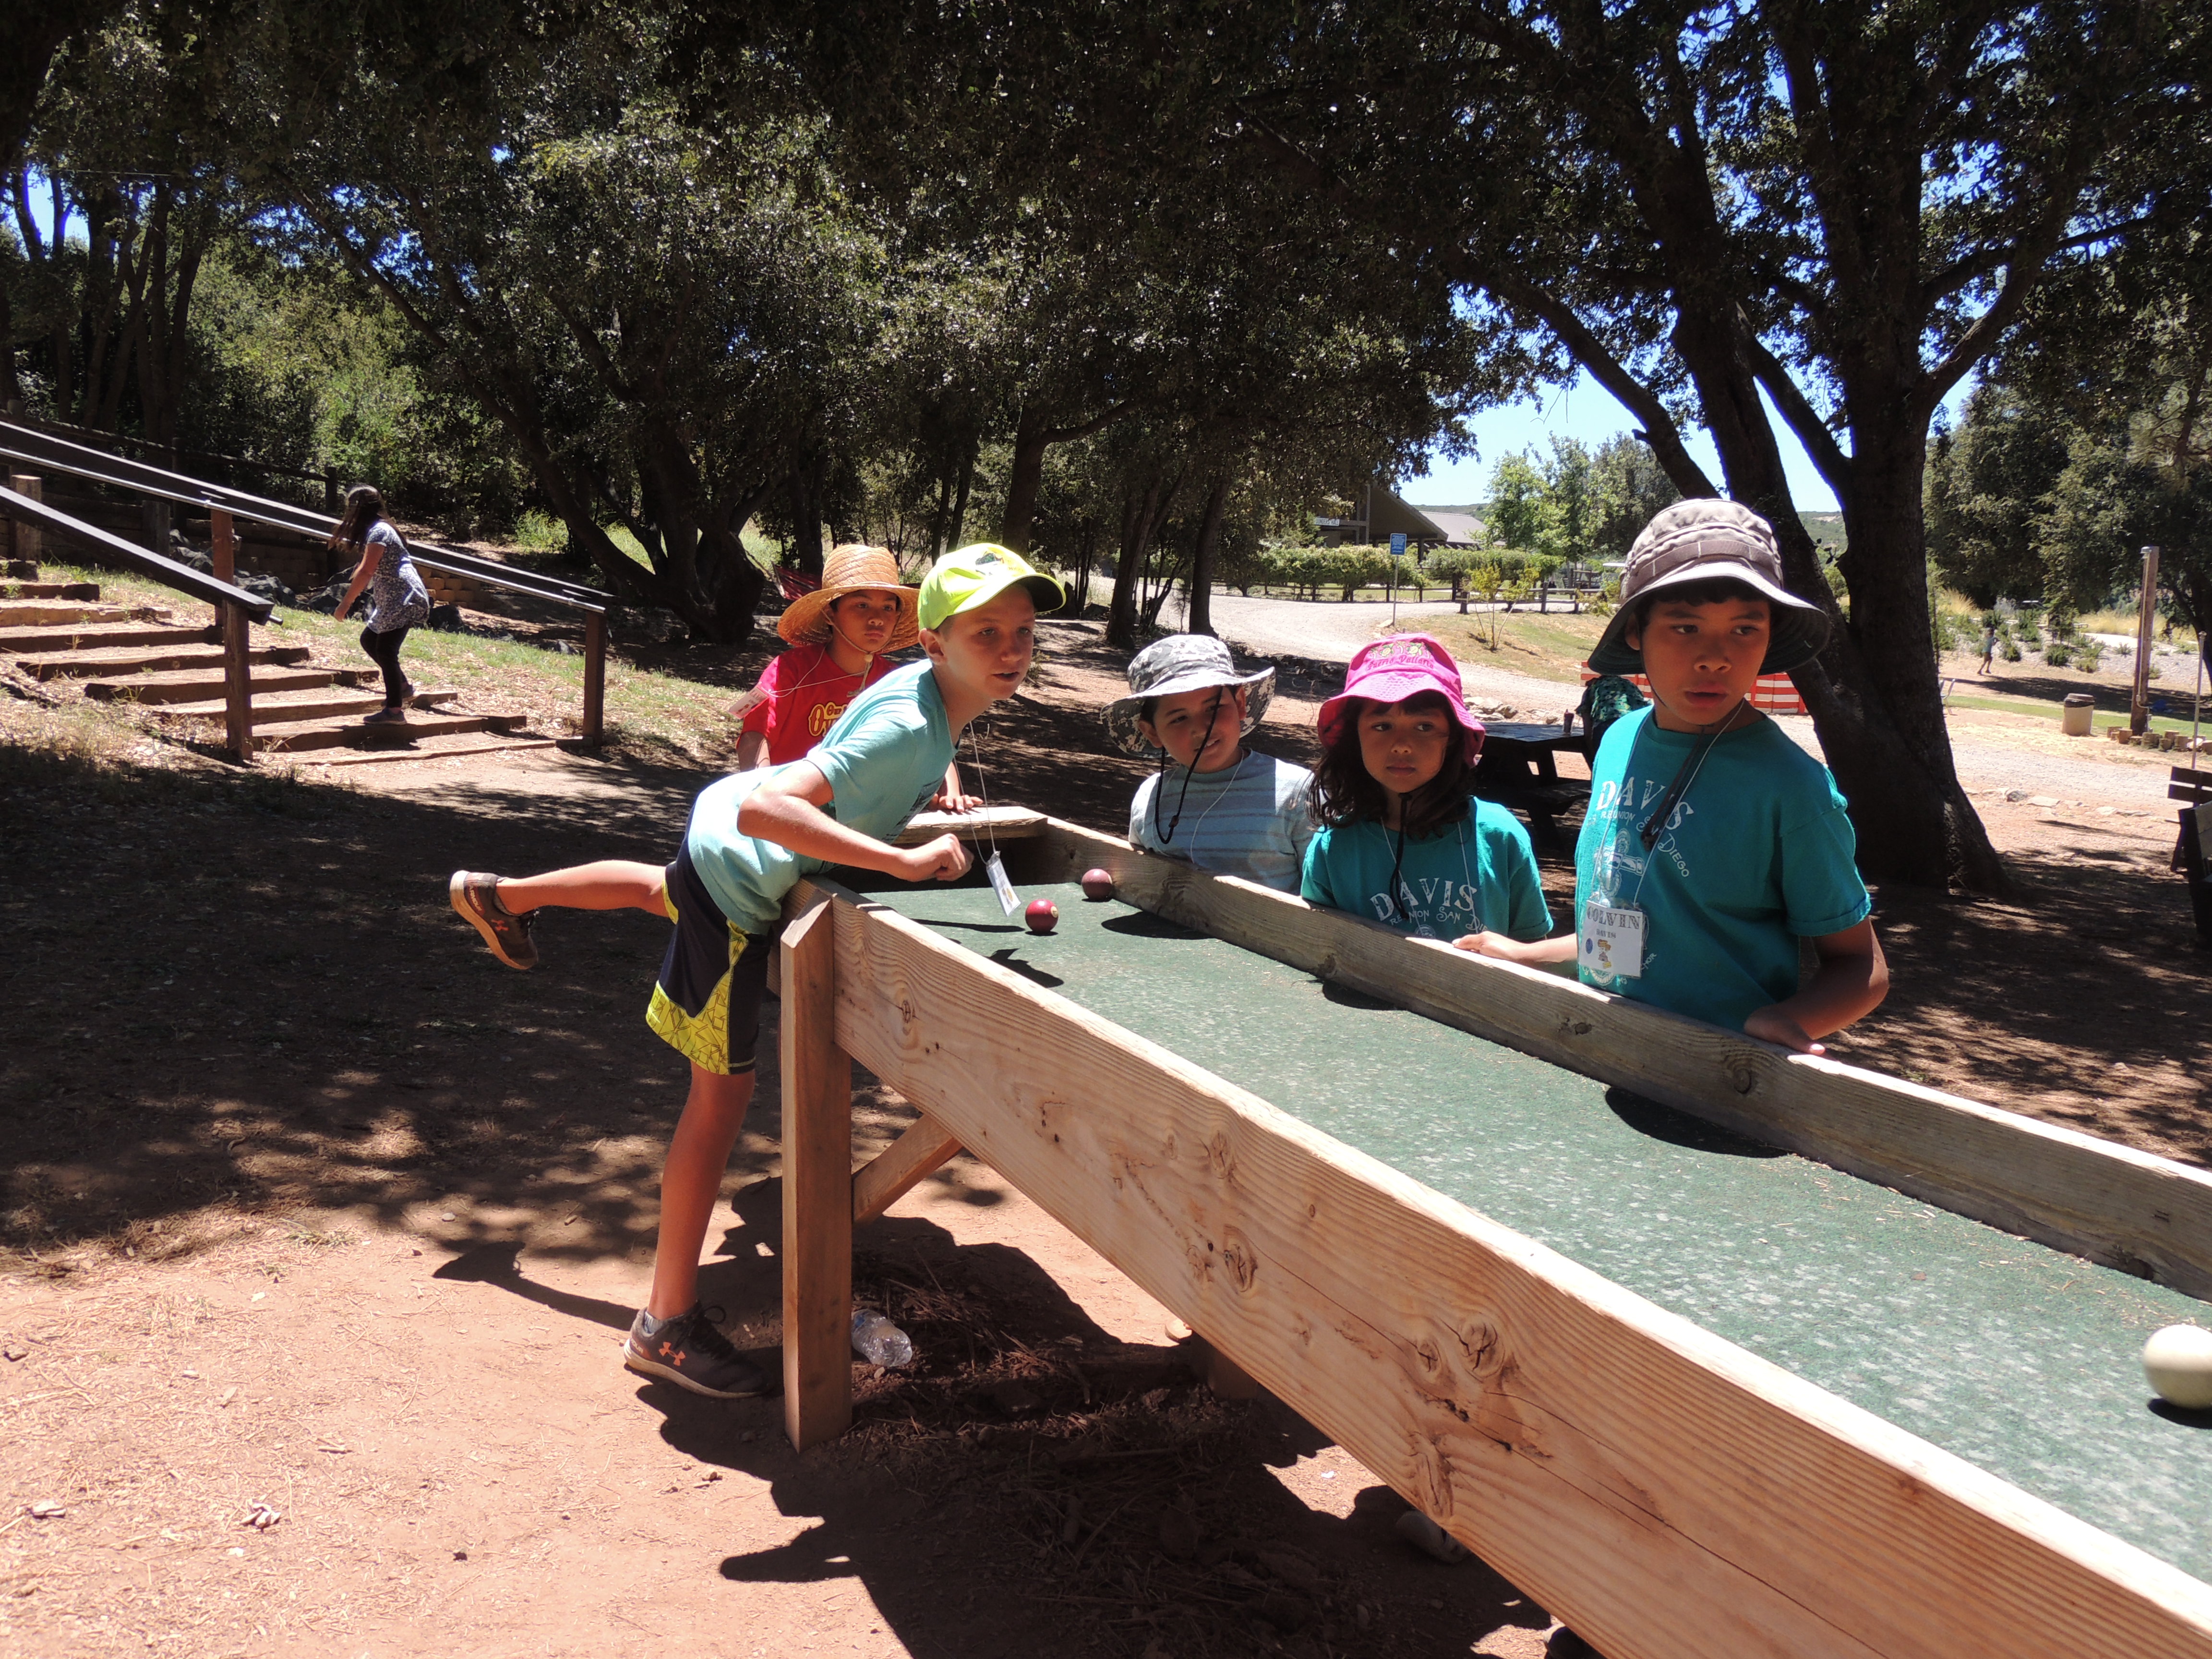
[945, 858]
[1772, 1025]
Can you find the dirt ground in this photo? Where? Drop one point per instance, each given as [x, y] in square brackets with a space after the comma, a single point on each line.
[309, 1204]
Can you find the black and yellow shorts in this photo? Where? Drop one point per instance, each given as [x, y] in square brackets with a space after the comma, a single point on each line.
[706, 1004]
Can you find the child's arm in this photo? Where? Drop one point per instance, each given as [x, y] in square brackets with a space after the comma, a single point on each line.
[752, 751]
[950, 800]
[788, 810]
[370, 557]
[1853, 980]
[1532, 952]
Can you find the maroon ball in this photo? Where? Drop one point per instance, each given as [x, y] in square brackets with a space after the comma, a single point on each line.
[1043, 915]
[1098, 883]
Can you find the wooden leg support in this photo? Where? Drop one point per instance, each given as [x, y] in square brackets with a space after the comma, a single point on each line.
[595, 678]
[925, 1147]
[817, 1187]
[238, 682]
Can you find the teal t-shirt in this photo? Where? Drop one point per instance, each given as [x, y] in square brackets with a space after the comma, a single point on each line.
[1477, 874]
[1758, 855]
[885, 758]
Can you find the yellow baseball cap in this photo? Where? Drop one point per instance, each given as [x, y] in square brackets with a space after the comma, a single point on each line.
[969, 576]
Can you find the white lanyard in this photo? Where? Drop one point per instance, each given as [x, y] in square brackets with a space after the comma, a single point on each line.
[1610, 942]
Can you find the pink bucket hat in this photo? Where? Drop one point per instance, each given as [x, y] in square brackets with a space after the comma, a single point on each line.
[1393, 670]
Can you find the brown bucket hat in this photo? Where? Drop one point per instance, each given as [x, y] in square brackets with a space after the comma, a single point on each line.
[848, 569]
[1697, 541]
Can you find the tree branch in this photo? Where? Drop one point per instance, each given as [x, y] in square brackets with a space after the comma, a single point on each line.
[1797, 409]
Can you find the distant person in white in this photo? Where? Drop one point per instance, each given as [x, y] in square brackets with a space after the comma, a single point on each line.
[1214, 803]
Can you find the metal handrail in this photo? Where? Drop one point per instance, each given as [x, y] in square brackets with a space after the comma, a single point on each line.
[94, 439]
[22, 444]
[167, 571]
[235, 606]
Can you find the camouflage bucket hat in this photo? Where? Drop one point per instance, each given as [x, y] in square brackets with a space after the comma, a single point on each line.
[1179, 663]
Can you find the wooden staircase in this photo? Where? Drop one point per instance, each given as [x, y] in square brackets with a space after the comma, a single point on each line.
[139, 654]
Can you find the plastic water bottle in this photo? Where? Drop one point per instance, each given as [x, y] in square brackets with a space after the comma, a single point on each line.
[876, 1339]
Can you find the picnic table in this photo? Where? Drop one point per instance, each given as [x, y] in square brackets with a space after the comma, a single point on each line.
[1519, 770]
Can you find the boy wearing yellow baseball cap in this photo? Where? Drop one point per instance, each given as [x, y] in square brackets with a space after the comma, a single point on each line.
[752, 837]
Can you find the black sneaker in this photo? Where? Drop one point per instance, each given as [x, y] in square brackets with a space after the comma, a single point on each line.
[688, 1350]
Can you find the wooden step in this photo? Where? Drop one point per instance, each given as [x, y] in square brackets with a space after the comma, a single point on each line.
[293, 708]
[46, 613]
[95, 636]
[355, 735]
[20, 571]
[200, 686]
[153, 659]
[36, 590]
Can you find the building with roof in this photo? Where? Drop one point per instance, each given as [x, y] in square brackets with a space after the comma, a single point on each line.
[1380, 512]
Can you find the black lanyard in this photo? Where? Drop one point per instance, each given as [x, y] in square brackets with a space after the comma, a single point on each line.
[1167, 837]
[1684, 775]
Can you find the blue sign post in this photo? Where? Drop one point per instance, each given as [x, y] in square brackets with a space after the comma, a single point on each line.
[1398, 545]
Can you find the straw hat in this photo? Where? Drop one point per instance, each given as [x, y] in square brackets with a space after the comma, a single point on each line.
[849, 570]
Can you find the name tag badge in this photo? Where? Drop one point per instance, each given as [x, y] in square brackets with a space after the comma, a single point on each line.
[1009, 901]
[1611, 942]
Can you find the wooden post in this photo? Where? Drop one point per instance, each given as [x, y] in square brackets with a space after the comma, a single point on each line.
[30, 539]
[595, 677]
[818, 1187]
[222, 550]
[237, 682]
[330, 489]
[2145, 613]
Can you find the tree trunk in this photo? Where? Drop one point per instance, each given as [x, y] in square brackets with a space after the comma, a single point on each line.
[1874, 695]
[1032, 438]
[1143, 512]
[805, 552]
[958, 527]
[1200, 619]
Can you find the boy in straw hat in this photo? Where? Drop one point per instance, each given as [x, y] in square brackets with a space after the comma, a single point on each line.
[840, 636]
[1713, 843]
[751, 838]
[1213, 802]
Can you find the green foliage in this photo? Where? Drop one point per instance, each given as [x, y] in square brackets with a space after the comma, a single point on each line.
[2009, 650]
[2088, 654]
[1982, 488]
[2057, 654]
[309, 375]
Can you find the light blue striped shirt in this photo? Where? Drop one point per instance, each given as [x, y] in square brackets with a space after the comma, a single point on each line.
[1252, 820]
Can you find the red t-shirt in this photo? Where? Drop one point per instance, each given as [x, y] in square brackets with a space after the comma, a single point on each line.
[799, 697]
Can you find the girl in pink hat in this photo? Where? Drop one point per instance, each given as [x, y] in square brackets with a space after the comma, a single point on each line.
[1403, 841]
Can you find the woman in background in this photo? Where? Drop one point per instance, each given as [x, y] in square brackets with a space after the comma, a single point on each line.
[398, 600]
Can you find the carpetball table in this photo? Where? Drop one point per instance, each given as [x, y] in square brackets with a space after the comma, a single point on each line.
[1714, 1351]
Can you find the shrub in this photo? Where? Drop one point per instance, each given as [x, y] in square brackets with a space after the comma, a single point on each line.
[2088, 654]
[2010, 651]
[2056, 653]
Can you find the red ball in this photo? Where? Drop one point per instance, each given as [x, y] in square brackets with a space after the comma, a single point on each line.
[1043, 915]
[1098, 883]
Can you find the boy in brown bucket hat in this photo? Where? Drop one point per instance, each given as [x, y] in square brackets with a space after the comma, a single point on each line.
[1713, 844]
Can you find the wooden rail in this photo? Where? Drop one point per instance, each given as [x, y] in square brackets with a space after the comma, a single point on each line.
[25, 445]
[1668, 1494]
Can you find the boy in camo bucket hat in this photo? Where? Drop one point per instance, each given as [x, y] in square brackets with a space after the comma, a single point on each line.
[1224, 808]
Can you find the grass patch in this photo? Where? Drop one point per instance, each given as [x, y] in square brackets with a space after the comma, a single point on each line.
[2042, 709]
[1546, 646]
